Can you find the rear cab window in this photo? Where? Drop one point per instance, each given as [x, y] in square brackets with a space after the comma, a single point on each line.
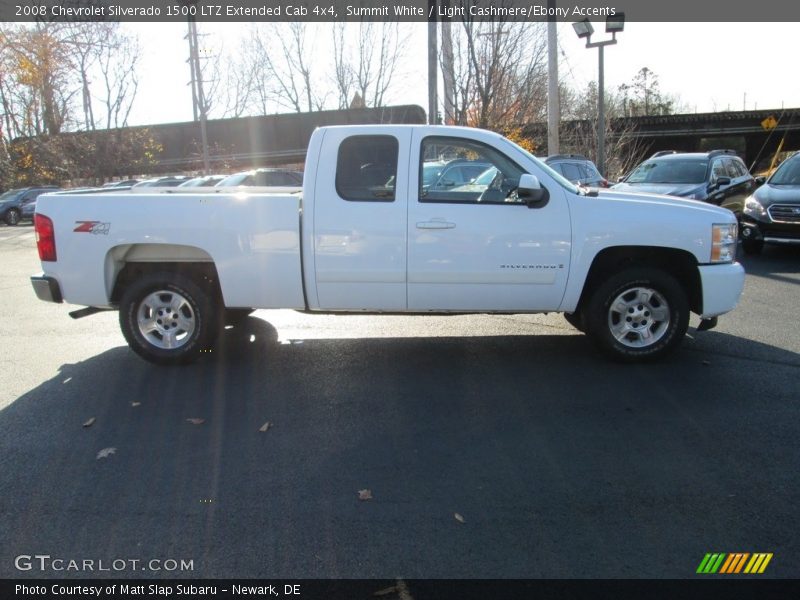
[366, 168]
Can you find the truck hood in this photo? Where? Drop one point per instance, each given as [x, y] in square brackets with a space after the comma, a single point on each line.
[777, 194]
[617, 195]
[670, 189]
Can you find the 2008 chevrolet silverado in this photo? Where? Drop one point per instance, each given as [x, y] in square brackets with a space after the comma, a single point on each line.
[379, 228]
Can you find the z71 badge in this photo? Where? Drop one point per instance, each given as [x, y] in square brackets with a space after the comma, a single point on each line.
[95, 227]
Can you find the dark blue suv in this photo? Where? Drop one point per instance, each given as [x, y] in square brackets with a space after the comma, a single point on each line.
[717, 177]
[20, 203]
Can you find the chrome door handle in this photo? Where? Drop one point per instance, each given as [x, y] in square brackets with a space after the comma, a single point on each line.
[435, 224]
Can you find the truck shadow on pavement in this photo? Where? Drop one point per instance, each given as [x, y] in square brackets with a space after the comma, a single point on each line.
[250, 462]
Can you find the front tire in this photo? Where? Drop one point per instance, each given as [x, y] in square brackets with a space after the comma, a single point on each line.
[576, 320]
[638, 315]
[167, 318]
[13, 217]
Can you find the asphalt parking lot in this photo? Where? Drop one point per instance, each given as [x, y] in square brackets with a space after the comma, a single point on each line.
[491, 446]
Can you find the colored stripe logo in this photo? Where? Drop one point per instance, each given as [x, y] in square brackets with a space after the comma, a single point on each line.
[734, 563]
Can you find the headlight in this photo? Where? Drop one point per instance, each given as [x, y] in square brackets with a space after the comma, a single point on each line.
[723, 242]
[754, 208]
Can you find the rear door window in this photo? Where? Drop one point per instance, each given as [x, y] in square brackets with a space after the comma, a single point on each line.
[366, 168]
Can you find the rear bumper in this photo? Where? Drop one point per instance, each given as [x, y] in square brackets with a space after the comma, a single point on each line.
[722, 287]
[46, 288]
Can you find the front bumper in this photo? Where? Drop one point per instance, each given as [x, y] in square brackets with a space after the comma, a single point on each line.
[722, 287]
[46, 288]
[770, 233]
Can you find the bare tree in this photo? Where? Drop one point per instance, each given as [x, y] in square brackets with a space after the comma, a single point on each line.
[119, 77]
[282, 56]
[499, 70]
[368, 66]
[624, 147]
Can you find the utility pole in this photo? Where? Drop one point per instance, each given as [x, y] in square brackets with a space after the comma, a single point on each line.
[198, 97]
[553, 100]
[448, 84]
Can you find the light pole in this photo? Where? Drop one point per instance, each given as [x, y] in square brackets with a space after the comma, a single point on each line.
[584, 29]
[433, 64]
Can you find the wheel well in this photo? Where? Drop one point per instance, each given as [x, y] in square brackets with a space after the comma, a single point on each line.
[681, 264]
[203, 274]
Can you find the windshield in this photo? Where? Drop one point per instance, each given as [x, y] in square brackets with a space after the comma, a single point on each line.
[670, 171]
[787, 174]
[9, 195]
[486, 177]
[235, 179]
[566, 184]
[431, 172]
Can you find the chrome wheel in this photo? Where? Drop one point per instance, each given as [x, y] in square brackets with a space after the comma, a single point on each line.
[639, 317]
[12, 217]
[166, 319]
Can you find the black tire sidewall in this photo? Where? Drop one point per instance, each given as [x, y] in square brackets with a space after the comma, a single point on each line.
[10, 217]
[201, 305]
[576, 320]
[596, 317]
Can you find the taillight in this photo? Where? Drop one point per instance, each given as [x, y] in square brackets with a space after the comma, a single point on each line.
[45, 237]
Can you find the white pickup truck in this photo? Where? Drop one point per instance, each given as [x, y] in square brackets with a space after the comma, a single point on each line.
[394, 219]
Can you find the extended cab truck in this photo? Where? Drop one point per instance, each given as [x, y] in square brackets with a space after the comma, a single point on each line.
[367, 236]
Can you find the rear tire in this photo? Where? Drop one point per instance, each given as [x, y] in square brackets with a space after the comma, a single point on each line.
[638, 315]
[167, 318]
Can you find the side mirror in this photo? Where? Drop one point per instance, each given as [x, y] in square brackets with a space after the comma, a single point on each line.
[721, 181]
[532, 192]
[760, 180]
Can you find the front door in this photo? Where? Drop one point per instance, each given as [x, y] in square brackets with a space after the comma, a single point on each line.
[478, 247]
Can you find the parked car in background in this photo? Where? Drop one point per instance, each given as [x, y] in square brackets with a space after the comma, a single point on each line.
[20, 203]
[771, 215]
[159, 182]
[125, 183]
[265, 177]
[577, 169]
[446, 175]
[203, 181]
[717, 177]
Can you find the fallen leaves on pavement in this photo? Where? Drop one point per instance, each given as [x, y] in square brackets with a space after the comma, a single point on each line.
[365, 494]
[106, 452]
[90, 422]
[196, 421]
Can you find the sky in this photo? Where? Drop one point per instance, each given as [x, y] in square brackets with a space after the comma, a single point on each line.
[708, 66]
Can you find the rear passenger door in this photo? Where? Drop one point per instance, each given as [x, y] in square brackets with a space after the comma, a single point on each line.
[360, 221]
[742, 185]
[27, 203]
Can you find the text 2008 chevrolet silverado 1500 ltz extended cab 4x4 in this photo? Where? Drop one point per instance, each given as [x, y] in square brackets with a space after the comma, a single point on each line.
[369, 235]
